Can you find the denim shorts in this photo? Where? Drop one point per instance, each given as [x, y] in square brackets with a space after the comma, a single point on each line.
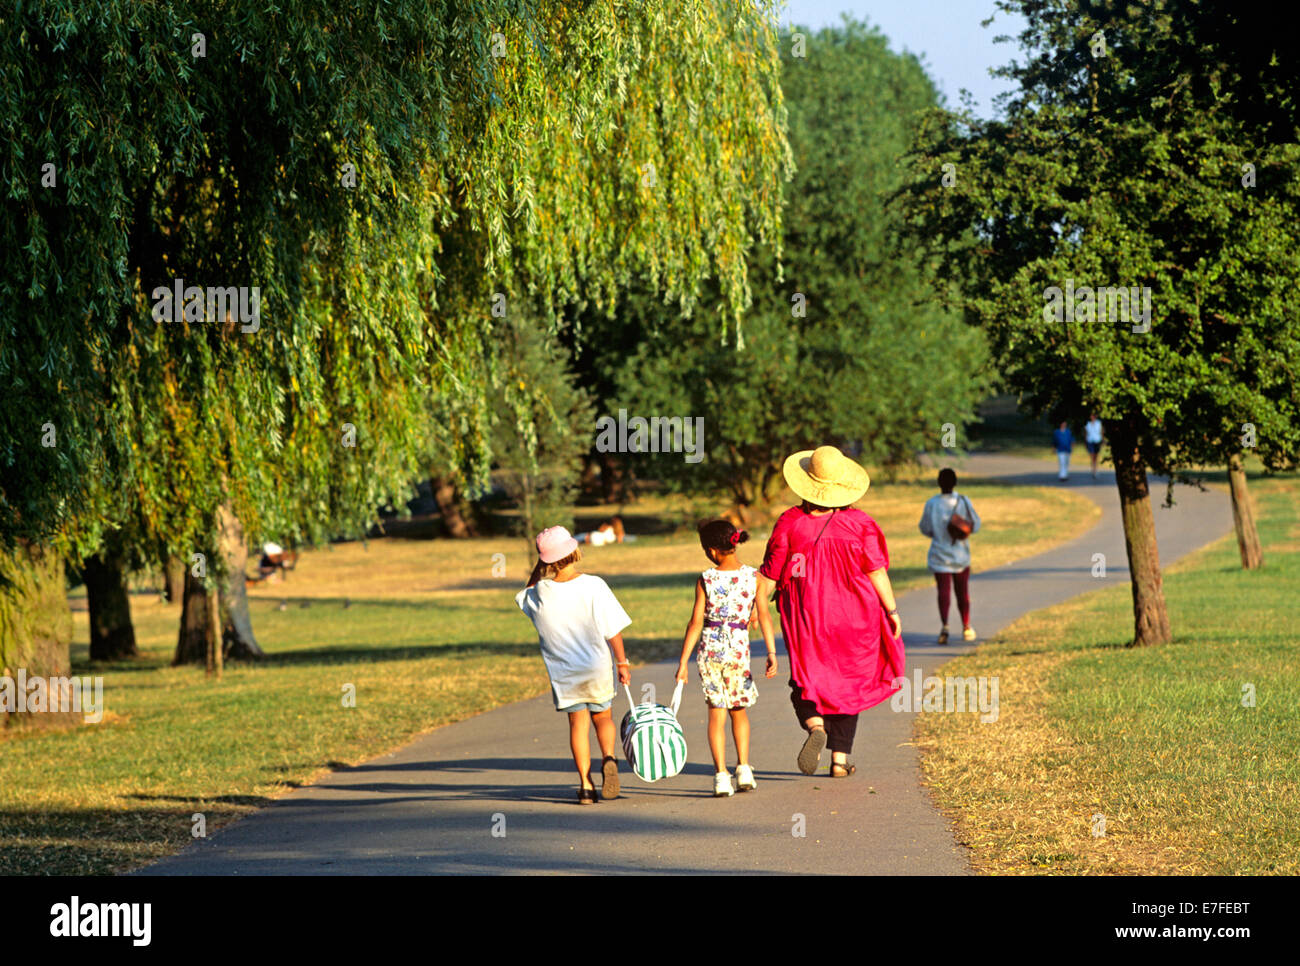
[1093, 448]
[593, 708]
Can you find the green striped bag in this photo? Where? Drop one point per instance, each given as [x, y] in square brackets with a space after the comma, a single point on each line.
[652, 738]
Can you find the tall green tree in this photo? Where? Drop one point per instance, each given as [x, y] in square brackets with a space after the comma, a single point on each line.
[848, 343]
[1114, 183]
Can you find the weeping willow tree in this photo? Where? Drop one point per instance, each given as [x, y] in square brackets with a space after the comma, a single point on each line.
[372, 184]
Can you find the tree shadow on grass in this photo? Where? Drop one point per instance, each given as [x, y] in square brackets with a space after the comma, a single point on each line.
[684, 579]
[363, 654]
[81, 663]
[100, 841]
[257, 800]
[1079, 648]
[353, 603]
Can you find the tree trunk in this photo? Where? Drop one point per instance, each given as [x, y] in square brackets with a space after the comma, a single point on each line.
[448, 499]
[237, 624]
[112, 637]
[35, 621]
[1243, 515]
[526, 510]
[192, 642]
[615, 480]
[214, 641]
[1150, 617]
[173, 579]
[589, 482]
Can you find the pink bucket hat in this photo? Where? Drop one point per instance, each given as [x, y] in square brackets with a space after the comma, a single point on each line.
[555, 543]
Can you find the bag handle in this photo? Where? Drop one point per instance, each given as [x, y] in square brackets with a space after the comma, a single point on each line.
[677, 697]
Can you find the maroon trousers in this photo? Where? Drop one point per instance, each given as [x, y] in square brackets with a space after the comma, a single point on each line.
[946, 583]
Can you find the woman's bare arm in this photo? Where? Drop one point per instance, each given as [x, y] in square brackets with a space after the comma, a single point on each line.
[880, 580]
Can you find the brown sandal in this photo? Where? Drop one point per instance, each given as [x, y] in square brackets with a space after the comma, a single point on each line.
[848, 768]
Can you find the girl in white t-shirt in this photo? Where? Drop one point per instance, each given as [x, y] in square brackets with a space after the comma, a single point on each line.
[579, 622]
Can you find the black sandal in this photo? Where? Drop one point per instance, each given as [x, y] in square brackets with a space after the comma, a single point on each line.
[811, 752]
[587, 796]
[609, 778]
[849, 769]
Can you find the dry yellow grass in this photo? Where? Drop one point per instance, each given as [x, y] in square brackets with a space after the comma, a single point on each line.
[1023, 796]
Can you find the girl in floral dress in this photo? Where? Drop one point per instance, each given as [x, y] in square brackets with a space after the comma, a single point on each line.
[724, 609]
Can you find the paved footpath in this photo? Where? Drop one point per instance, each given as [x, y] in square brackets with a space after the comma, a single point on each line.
[431, 807]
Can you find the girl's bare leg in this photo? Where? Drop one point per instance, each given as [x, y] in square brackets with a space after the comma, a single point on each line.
[605, 732]
[718, 737]
[580, 743]
[740, 731]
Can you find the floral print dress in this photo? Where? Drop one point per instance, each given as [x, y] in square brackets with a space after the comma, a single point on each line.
[723, 656]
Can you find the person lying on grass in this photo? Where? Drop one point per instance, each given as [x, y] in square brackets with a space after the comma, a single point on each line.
[725, 596]
[579, 622]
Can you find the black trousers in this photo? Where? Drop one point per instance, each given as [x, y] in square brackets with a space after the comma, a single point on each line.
[840, 728]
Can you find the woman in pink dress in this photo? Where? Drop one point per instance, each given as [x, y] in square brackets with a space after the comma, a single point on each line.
[838, 615]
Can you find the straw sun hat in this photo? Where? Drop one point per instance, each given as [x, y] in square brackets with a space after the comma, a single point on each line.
[826, 477]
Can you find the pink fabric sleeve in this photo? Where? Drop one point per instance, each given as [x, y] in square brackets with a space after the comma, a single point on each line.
[778, 548]
[875, 555]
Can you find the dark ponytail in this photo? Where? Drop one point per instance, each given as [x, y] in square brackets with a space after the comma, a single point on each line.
[721, 536]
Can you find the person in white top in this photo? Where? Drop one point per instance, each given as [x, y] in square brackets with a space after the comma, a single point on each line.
[1092, 434]
[611, 531]
[274, 559]
[949, 558]
[579, 622]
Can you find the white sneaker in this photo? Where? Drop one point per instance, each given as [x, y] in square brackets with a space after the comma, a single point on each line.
[722, 785]
[745, 778]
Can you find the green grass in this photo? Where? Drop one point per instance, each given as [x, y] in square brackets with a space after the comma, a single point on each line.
[1157, 739]
[430, 636]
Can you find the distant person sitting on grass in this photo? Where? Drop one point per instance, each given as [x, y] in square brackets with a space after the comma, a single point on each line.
[274, 560]
[1063, 442]
[1092, 434]
[611, 531]
[725, 597]
[949, 556]
[579, 622]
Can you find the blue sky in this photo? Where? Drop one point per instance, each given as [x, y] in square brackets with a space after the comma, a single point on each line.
[957, 51]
